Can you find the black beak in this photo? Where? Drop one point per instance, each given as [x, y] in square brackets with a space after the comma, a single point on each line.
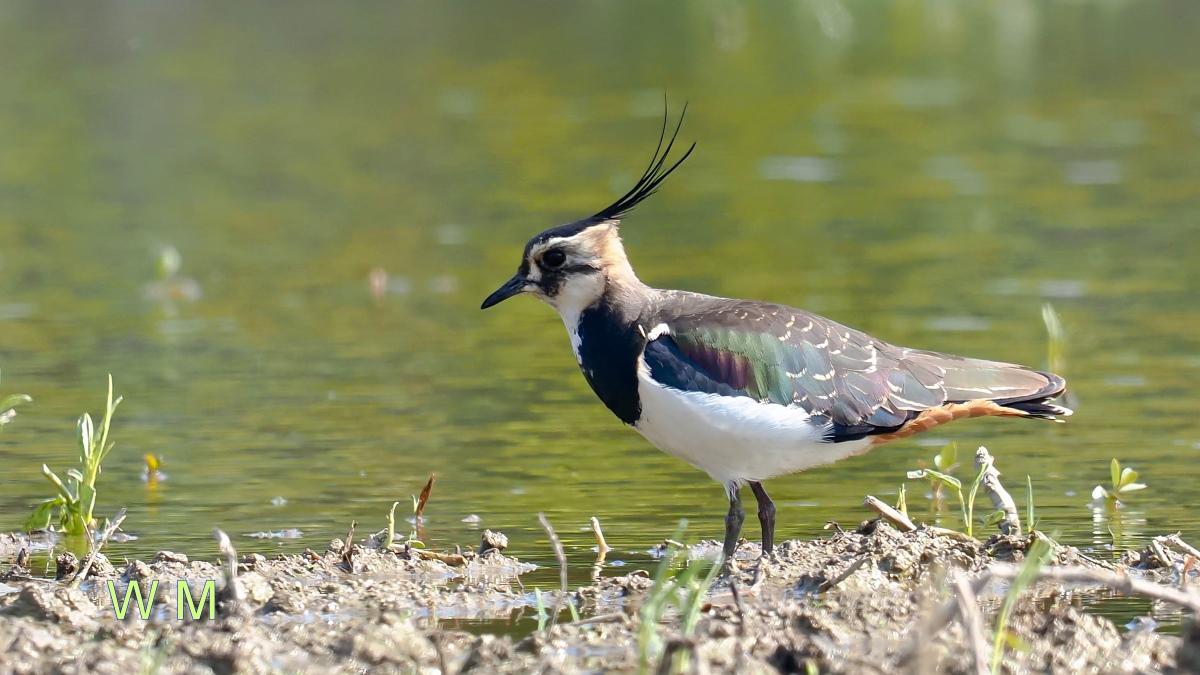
[513, 286]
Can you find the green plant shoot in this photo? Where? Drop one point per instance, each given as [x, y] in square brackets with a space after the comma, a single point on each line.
[8, 407]
[543, 615]
[1122, 483]
[391, 535]
[683, 589]
[966, 504]
[1036, 557]
[75, 502]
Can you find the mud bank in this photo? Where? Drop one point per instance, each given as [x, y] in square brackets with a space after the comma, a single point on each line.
[873, 600]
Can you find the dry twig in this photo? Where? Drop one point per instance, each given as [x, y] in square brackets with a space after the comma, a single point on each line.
[675, 645]
[1178, 542]
[348, 551]
[96, 546]
[602, 618]
[972, 619]
[844, 574]
[1122, 583]
[1011, 524]
[424, 498]
[889, 514]
[233, 596]
[1162, 554]
[739, 605]
[936, 622]
[602, 546]
[452, 559]
[436, 639]
[556, 544]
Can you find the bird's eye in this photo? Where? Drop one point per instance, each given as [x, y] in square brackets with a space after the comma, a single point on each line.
[554, 259]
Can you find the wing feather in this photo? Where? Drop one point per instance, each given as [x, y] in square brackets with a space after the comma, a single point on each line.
[861, 385]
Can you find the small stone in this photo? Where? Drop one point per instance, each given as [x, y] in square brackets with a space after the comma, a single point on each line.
[62, 605]
[101, 567]
[492, 541]
[258, 590]
[251, 561]
[170, 557]
[137, 570]
[285, 601]
[66, 565]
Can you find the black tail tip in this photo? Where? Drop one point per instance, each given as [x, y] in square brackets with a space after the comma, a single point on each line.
[1042, 410]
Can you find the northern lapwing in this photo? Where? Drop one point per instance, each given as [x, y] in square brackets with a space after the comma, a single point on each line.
[741, 389]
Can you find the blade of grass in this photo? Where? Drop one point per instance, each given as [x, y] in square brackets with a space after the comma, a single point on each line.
[1035, 558]
[391, 536]
[971, 500]
[1029, 512]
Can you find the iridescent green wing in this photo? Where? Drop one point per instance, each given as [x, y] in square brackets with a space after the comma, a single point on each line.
[861, 385]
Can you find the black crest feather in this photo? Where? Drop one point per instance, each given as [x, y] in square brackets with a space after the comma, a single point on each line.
[654, 175]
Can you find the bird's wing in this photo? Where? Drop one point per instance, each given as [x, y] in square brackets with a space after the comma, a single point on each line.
[859, 385]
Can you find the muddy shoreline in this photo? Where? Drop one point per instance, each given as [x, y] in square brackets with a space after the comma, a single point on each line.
[854, 602]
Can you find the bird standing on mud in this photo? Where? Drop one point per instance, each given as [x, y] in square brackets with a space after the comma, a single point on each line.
[747, 390]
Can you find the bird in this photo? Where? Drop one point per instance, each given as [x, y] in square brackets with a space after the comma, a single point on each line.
[746, 390]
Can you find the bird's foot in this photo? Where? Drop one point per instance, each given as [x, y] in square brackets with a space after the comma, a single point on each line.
[730, 569]
[760, 571]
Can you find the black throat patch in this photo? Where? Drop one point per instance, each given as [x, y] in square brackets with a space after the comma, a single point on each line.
[608, 356]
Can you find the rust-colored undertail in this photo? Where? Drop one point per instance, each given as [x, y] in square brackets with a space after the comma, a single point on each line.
[944, 414]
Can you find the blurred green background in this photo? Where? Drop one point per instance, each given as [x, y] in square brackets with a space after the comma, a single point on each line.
[345, 185]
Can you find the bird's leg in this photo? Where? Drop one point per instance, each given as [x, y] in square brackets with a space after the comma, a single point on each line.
[766, 517]
[733, 525]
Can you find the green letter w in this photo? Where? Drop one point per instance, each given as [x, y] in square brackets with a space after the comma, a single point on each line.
[144, 607]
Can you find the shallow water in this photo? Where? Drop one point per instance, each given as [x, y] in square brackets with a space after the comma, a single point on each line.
[344, 190]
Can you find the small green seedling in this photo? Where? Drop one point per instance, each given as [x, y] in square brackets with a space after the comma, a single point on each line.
[543, 615]
[8, 407]
[682, 589]
[946, 461]
[966, 503]
[1124, 481]
[391, 531]
[414, 535]
[76, 499]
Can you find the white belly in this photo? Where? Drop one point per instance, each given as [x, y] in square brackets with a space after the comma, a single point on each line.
[734, 439]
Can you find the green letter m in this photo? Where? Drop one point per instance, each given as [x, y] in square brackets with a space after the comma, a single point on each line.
[133, 588]
[209, 594]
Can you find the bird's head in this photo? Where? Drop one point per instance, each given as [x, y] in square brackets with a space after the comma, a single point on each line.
[571, 266]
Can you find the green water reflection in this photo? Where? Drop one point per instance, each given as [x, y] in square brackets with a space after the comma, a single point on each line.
[929, 172]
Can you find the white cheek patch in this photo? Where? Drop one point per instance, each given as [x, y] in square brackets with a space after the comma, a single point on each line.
[575, 295]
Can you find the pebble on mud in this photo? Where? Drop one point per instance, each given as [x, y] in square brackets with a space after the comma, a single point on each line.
[490, 541]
